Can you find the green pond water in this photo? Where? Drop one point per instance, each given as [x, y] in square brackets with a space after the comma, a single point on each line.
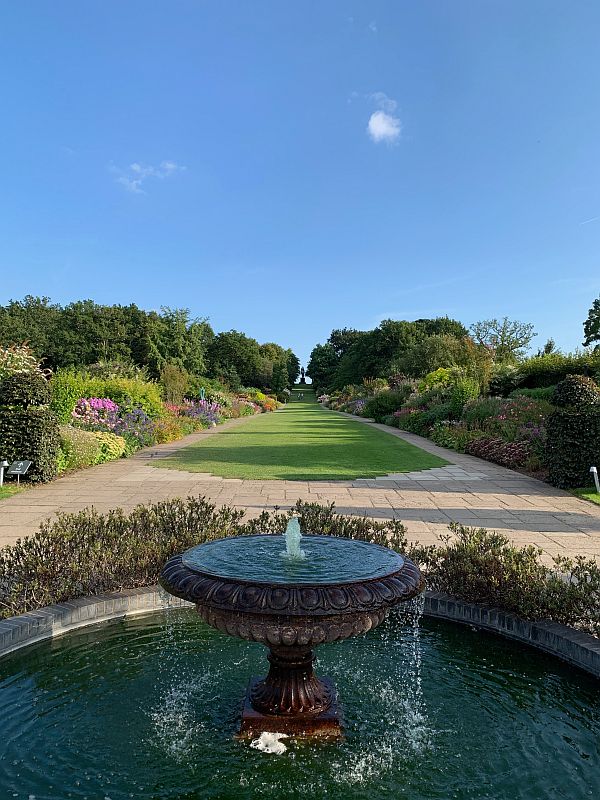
[147, 709]
[328, 559]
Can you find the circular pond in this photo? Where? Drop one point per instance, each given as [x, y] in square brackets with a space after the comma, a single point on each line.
[146, 708]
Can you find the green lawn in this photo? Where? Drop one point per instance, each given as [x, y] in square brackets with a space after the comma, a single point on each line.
[9, 489]
[301, 442]
[589, 493]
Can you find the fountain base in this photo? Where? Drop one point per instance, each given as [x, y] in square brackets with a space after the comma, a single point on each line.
[325, 724]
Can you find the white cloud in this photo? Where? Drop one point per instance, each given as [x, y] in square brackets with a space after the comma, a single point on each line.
[133, 177]
[373, 26]
[384, 127]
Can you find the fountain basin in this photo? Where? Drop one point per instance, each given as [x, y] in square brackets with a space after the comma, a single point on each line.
[245, 587]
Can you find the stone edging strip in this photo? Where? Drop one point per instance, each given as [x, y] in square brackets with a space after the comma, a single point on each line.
[577, 648]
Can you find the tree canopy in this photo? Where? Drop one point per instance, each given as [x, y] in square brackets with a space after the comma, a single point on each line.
[84, 333]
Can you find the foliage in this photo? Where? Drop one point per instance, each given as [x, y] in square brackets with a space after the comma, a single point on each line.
[507, 339]
[128, 393]
[576, 391]
[66, 387]
[30, 434]
[438, 378]
[485, 567]
[17, 359]
[383, 404]
[509, 454]
[174, 381]
[89, 553]
[543, 393]
[111, 446]
[463, 390]
[573, 445]
[548, 370]
[24, 389]
[79, 448]
[455, 435]
[127, 342]
[591, 327]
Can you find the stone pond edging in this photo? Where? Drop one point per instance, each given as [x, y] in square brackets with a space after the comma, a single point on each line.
[575, 647]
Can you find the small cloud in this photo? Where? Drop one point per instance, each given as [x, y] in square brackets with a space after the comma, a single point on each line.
[587, 221]
[383, 125]
[373, 26]
[134, 176]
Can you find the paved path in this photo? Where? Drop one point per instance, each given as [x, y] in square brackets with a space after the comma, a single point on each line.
[469, 491]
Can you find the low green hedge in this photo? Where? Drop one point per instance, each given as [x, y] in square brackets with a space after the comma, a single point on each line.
[573, 446]
[90, 553]
[30, 434]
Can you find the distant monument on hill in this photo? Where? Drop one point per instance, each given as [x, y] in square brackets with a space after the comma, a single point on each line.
[302, 378]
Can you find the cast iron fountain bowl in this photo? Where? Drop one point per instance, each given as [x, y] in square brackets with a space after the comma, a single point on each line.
[244, 587]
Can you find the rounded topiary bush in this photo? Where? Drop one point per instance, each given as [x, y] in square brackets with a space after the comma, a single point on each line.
[576, 391]
[24, 389]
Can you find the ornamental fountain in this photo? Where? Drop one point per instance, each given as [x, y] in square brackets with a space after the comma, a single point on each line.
[291, 601]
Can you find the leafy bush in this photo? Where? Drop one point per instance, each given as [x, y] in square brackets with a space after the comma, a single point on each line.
[89, 553]
[543, 393]
[476, 412]
[505, 379]
[573, 446]
[24, 389]
[79, 448]
[30, 434]
[112, 446]
[454, 435]
[439, 377]
[168, 429]
[174, 381]
[547, 370]
[576, 391]
[17, 359]
[384, 403]
[483, 567]
[462, 391]
[128, 393]
[66, 387]
[508, 454]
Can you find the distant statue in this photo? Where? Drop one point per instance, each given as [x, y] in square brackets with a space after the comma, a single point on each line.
[302, 378]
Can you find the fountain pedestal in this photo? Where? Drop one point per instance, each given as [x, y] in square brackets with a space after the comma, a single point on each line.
[291, 615]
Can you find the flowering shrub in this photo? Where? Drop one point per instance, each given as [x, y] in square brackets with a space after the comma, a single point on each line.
[508, 454]
[323, 398]
[96, 412]
[17, 359]
[136, 428]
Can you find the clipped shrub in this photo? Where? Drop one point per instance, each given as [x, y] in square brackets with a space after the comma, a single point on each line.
[576, 391]
[549, 369]
[30, 434]
[66, 387]
[24, 389]
[572, 446]
[79, 448]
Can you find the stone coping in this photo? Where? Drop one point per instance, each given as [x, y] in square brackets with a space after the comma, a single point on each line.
[577, 648]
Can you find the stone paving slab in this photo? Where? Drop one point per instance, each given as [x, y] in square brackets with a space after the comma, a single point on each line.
[468, 491]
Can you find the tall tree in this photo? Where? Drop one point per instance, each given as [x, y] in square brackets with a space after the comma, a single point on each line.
[508, 339]
[591, 327]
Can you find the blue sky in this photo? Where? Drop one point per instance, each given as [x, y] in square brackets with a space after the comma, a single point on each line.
[287, 168]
